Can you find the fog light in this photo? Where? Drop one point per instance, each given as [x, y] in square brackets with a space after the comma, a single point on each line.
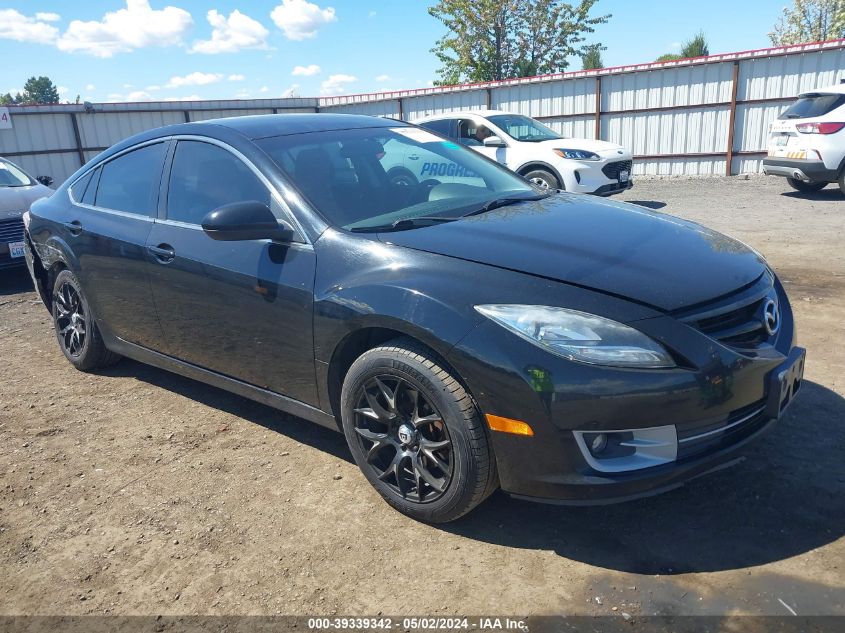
[598, 444]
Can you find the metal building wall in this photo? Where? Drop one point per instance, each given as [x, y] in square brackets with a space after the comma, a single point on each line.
[689, 117]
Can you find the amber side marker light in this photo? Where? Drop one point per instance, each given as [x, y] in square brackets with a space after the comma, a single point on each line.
[506, 425]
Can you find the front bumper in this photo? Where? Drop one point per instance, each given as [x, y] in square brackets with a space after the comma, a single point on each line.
[800, 169]
[717, 404]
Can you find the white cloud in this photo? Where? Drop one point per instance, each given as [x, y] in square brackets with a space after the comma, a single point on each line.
[264, 89]
[45, 16]
[372, 14]
[124, 30]
[236, 77]
[62, 90]
[16, 26]
[90, 87]
[243, 94]
[229, 35]
[336, 84]
[306, 71]
[383, 78]
[194, 79]
[299, 19]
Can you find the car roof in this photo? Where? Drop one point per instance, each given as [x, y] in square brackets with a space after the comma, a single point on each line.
[461, 113]
[835, 89]
[266, 125]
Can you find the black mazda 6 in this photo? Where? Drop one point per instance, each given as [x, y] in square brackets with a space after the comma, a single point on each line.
[466, 333]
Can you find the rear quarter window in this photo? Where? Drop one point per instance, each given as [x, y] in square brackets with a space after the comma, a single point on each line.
[812, 106]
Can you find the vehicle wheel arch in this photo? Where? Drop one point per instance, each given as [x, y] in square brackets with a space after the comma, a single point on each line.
[537, 164]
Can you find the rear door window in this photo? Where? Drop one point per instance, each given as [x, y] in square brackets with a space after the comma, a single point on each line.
[130, 182]
[812, 106]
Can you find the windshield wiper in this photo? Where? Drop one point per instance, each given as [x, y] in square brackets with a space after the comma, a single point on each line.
[405, 223]
[495, 203]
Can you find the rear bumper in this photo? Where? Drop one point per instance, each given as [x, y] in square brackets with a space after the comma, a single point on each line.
[800, 169]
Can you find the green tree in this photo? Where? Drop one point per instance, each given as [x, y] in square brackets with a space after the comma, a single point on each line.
[39, 90]
[668, 57]
[695, 47]
[488, 40]
[591, 58]
[810, 21]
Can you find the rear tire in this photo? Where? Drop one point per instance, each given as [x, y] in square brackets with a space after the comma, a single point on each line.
[416, 433]
[76, 330]
[543, 178]
[842, 182]
[806, 187]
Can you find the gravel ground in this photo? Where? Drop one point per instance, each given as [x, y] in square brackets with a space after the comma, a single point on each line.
[135, 491]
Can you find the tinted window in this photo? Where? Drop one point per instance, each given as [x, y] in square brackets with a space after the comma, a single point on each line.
[78, 188]
[90, 192]
[206, 176]
[130, 182]
[12, 176]
[443, 126]
[345, 174]
[813, 106]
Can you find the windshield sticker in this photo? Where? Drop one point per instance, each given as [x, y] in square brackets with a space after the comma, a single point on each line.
[449, 145]
[416, 134]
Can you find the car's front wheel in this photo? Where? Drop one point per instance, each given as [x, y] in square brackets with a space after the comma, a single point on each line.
[76, 331]
[416, 433]
[806, 187]
[842, 181]
[543, 179]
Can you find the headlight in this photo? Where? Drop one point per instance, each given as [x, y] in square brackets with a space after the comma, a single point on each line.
[577, 154]
[580, 336]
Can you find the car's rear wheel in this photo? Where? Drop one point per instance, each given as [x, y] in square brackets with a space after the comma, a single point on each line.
[76, 330]
[416, 433]
[543, 179]
[806, 187]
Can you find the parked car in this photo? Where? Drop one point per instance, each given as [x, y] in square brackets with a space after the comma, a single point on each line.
[18, 190]
[807, 141]
[534, 151]
[464, 336]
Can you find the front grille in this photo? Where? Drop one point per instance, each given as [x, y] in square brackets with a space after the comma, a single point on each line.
[709, 435]
[611, 170]
[736, 320]
[11, 230]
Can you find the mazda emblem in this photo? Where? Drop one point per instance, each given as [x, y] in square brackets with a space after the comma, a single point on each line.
[771, 317]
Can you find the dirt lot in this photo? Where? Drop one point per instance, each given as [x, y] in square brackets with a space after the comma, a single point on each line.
[136, 491]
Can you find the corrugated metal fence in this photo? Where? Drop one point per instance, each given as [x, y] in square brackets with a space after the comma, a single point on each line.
[703, 116]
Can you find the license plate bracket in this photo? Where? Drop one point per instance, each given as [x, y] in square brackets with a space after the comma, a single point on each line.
[624, 176]
[785, 382]
[15, 249]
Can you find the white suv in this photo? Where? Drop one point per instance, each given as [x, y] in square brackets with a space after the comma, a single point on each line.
[536, 152]
[807, 141]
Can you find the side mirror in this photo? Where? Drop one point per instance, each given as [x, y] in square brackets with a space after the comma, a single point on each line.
[45, 180]
[241, 221]
[493, 141]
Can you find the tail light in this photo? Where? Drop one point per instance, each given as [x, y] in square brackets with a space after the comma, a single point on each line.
[819, 128]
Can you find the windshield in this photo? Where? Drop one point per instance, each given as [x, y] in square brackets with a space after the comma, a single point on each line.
[12, 176]
[401, 177]
[523, 128]
[814, 105]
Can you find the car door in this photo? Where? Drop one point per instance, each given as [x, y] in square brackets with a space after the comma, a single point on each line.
[242, 309]
[111, 215]
[471, 133]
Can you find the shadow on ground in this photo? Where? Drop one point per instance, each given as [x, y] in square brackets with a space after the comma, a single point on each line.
[830, 193]
[14, 281]
[650, 204]
[785, 499]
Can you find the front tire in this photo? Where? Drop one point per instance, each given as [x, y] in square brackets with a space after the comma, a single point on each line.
[76, 330]
[416, 433]
[806, 187]
[841, 182]
[543, 179]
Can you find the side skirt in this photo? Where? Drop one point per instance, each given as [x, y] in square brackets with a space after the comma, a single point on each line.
[264, 396]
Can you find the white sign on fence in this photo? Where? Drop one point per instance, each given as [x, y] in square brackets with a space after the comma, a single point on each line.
[5, 119]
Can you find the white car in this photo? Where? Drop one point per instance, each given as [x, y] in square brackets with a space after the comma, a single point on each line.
[535, 151]
[807, 141]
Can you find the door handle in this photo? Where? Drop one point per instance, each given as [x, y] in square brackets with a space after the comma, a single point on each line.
[74, 227]
[164, 253]
[414, 157]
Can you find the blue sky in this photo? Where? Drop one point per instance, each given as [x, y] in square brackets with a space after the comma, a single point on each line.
[114, 50]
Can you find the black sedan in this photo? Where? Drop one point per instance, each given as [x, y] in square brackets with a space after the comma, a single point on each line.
[466, 333]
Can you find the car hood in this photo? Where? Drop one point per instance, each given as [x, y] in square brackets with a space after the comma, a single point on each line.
[618, 248]
[600, 147]
[15, 200]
